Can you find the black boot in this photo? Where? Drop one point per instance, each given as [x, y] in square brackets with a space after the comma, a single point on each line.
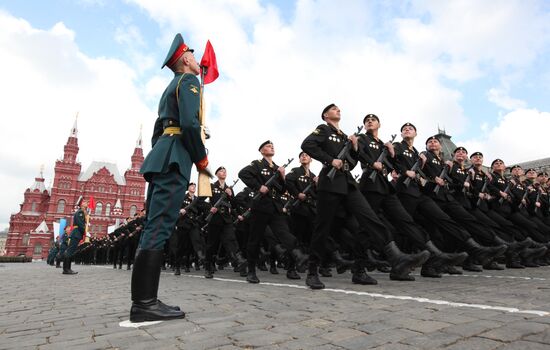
[469, 265]
[359, 276]
[429, 269]
[312, 280]
[325, 271]
[186, 263]
[441, 258]
[273, 267]
[177, 271]
[451, 270]
[251, 275]
[57, 263]
[67, 267]
[291, 274]
[300, 258]
[238, 260]
[513, 261]
[340, 261]
[493, 265]
[403, 263]
[208, 269]
[484, 254]
[145, 282]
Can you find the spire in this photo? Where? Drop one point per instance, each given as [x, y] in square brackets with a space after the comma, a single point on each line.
[74, 130]
[139, 140]
[42, 170]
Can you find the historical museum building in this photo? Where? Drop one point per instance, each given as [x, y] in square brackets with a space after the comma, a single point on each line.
[31, 230]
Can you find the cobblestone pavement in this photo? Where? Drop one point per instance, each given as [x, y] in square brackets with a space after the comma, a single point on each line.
[42, 309]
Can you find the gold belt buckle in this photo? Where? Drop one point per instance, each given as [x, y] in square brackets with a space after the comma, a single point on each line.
[172, 130]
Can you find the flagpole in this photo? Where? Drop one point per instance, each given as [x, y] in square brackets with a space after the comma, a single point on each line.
[203, 182]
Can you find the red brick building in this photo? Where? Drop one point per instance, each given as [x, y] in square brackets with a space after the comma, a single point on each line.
[31, 230]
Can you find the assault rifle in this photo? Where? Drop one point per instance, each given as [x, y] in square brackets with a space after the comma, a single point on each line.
[245, 215]
[218, 203]
[524, 197]
[416, 168]
[297, 201]
[483, 189]
[537, 200]
[507, 191]
[343, 153]
[272, 179]
[443, 175]
[382, 158]
[468, 180]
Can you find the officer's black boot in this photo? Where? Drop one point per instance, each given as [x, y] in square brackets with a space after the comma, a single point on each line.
[145, 282]
[251, 275]
[403, 263]
[470, 265]
[484, 254]
[312, 279]
[57, 263]
[360, 276]
[67, 267]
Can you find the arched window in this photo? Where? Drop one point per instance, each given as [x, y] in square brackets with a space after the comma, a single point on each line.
[33, 207]
[26, 238]
[98, 208]
[38, 249]
[61, 206]
[108, 209]
[133, 210]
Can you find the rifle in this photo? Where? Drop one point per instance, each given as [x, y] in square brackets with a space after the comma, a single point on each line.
[272, 179]
[483, 189]
[416, 168]
[443, 175]
[507, 191]
[382, 158]
[537, 200]
[343, 154]
[218, 203]
[524, 197]
[297, 201]
[245, 215]
[468, 179]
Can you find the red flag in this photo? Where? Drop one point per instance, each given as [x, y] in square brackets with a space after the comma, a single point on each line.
[208, 61]
[91, 203]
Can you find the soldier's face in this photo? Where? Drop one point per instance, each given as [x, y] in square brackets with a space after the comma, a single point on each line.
[84, 204]
[517, 172]
[268, 150]
[192, 189]
[305, 158]
[498, 166]
[531, 175]
[333, 114]
[460, 155]
[189, 60]
[433, 145]
[222, 174]
[372, 124]
[477, 160]
[408, 132]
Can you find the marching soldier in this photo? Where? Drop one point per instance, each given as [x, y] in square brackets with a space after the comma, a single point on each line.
[177, 145]
[324, 144]
[267, 210]
[220, 228]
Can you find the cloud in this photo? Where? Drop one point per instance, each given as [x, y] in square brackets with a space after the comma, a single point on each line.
[46, 80]
[518, 137]
[500, 98]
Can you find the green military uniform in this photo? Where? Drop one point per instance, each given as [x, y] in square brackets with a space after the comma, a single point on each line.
[177, 144]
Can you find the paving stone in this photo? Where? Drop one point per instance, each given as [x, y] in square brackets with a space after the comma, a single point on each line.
[474, 343]
[540, 337]
[524, 345]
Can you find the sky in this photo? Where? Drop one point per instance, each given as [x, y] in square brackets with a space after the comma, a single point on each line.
[480, 69]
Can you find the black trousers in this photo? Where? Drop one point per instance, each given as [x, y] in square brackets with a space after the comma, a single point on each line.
[434, 216]
[277, 222]
[223, 233]
[523, 222]
[398, 216]
[302, 227]
[354, 203]
[459, 214]
[508, 231]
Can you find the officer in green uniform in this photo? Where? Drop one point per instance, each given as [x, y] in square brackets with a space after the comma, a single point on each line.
[79, 230]
[177, 145]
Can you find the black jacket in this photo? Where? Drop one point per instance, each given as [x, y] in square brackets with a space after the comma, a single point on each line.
[257, 174]
[296, 181]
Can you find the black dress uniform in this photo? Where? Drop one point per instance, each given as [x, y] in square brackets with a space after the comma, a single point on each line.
[324, 144]
[381, 195]
[221, 230]
[266, 211]
[303, 214]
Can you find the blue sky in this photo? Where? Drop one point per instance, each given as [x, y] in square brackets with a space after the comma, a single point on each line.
[480, 69]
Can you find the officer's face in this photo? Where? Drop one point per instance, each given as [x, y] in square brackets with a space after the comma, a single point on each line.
[372, 124]
[305, 158]
[333, 114]
[268, 150]
[192, 189]
[460, 155]
[84, 204]
[408, 132]
[433, 145]
[477, 160]
[189, 60]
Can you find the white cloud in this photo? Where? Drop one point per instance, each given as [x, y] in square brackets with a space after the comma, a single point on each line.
[501, 98]
[46, 79]
[519, 136]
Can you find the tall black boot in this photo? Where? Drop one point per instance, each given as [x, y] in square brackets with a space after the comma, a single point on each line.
[208, 270]
[312, 279]
[58, 263]
[145, 283]
[238, 260]
[360, 276]
[484, 254]
[443, 258]
[251, 275]
[67, 267]
[300, 259]
[403, 263]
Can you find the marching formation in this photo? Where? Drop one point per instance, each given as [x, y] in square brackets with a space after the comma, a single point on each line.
[407, 209]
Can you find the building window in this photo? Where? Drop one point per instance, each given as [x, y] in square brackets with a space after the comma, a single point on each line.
[133, 210]
[33, 207]
[61, 206]
[98, 208]
[101, 189]
[108, 209]
[38, 249]
[26, 238]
